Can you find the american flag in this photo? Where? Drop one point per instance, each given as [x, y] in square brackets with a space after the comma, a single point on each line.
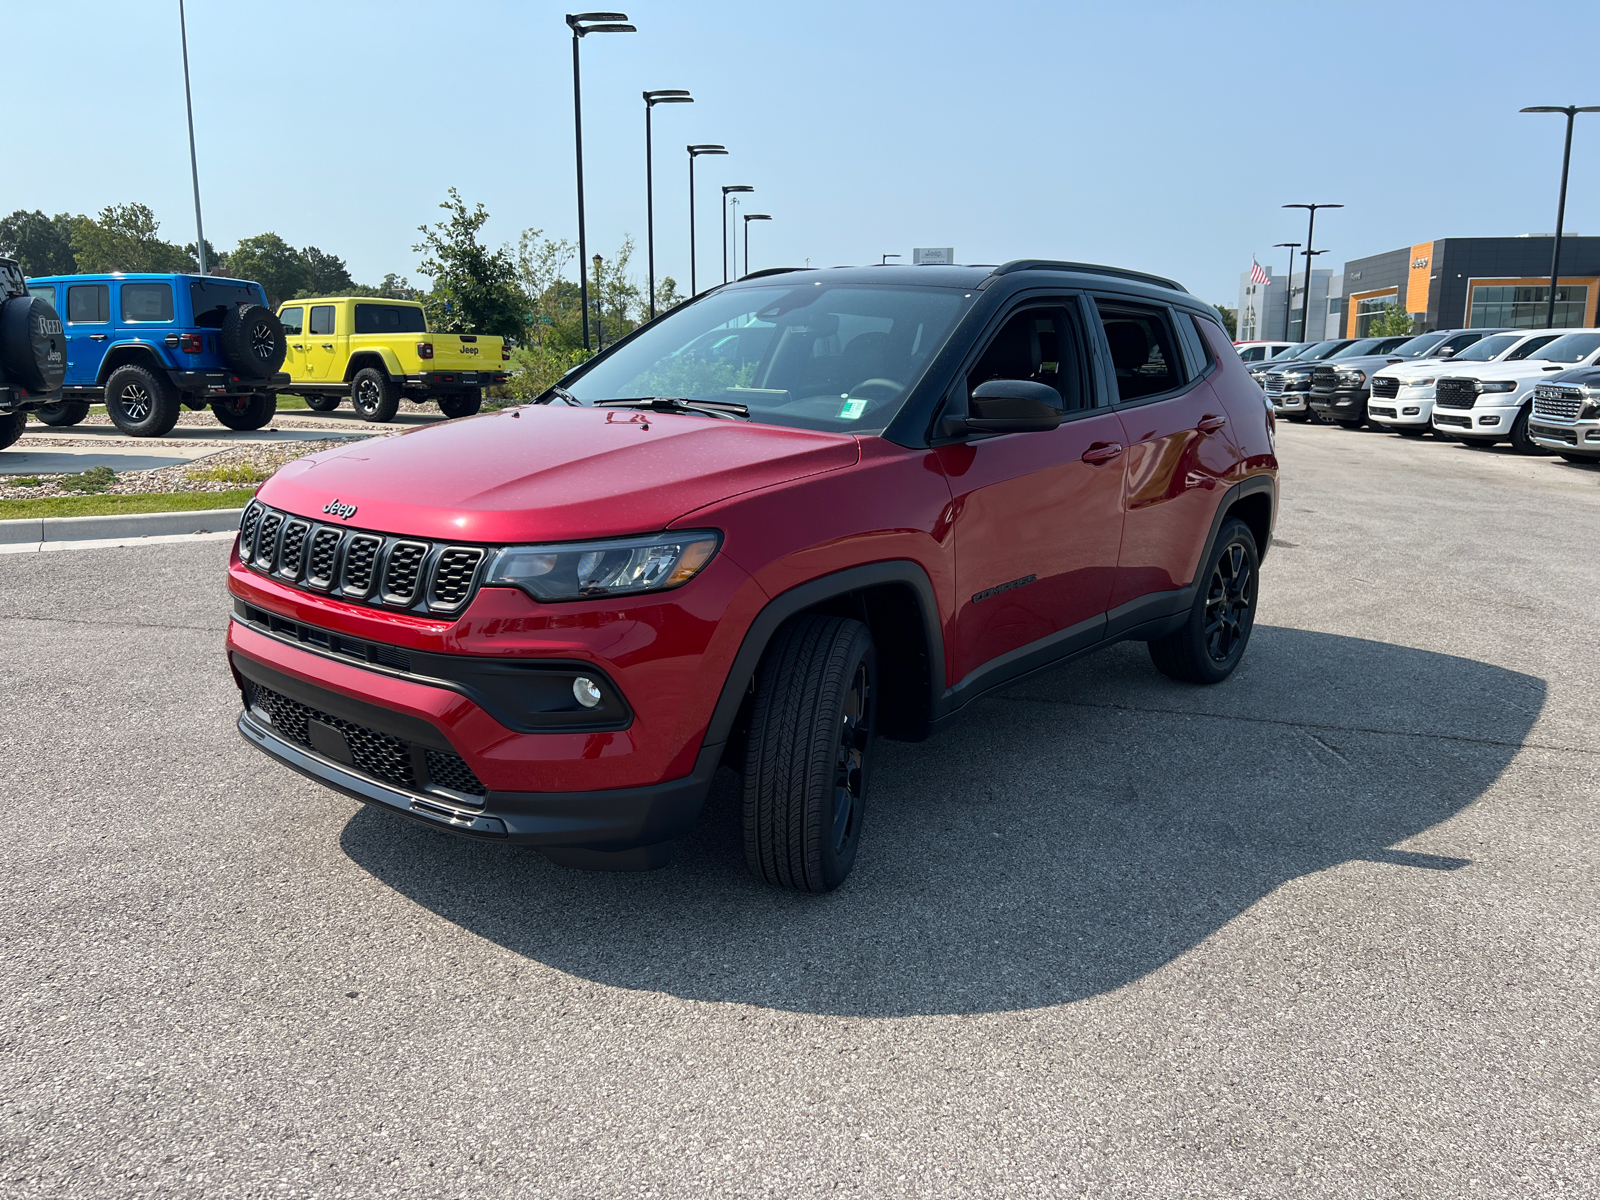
[1257, 274]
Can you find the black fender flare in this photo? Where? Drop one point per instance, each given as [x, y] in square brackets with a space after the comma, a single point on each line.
[157, 361]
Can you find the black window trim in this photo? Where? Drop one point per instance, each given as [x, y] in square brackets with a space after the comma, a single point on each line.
[1108, 369]
[122, 315]
[301, 309]
[311, 310]
[71, 287]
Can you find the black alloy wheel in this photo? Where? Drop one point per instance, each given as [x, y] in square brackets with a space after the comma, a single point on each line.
[374, 396]
[1210, 643]
[141, 402]
[323, 403]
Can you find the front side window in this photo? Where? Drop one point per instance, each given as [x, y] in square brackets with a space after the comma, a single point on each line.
[43, 291]
[89, 303]
[1532, 346]
[1144, 350]
[1491, 347]
[1038, 345]
[1253, 353]
[839, 357]
[1574, 347]
[147, 302]
[322, 319]
[293, 321]
[389, 318]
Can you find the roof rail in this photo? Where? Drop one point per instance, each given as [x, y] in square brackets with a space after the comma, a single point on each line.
[1047, 264]
[771, 271]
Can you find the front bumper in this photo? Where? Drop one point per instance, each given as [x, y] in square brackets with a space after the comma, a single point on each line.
[1480, 421]
[1569, 437]
[1401, 410]
[1287, 402]
[1341, 405]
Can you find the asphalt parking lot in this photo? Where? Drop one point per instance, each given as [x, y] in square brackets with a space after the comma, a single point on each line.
[1326, 930]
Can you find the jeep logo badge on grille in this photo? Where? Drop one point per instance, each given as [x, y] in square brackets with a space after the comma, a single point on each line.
[339, 509]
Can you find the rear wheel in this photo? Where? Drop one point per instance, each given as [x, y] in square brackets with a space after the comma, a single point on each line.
[1210, 643]
[11, 427]
[374, 396]
[323, 403]
[462, 404]
[141, 402]
[809, 754]
[245, 412]
[67, 412]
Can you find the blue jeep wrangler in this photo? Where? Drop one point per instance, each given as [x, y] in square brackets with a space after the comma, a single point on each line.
[150, 344]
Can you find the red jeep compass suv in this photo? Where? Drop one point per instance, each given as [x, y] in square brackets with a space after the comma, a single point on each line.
[806, 509]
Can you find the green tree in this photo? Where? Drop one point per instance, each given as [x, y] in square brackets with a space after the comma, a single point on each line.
[1230, 319]
[1392, 322]
[123, 237]
[278, 267]
[326, 274]
[43, 245]
[393, 287]
[475, 289]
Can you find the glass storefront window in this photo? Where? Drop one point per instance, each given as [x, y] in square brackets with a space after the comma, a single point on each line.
[1514, 307]
[1369, 309]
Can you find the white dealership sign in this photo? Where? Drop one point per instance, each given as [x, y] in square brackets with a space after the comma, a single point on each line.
[942, 256]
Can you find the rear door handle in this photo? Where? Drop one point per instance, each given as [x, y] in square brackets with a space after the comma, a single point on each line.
[327, 345]
[1210, 423]
[1102, 452]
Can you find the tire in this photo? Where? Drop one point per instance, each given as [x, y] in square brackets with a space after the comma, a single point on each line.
[252, 340]
[323, 403]
[11, 428]
[141, 402]
[1521, 441]
[462, 404]
[374, 396]
[65, 412]
[808, 760]
[1349, 424]
[1209, 645]
[1480, 443]
[33, 350]
[1578, 458]
[246, 412]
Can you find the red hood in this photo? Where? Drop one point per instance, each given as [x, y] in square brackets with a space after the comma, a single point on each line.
[548, 473]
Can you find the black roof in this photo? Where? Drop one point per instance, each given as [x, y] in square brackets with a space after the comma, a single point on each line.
[970, 276]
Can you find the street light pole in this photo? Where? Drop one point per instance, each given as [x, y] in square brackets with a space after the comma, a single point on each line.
[651, 99]
[694, 153]
[748, 217]
[194, 167]
[1571, 111]
[1288, 288]
[1305, 305]
[735, 187]
[883, 261]
[583, 24]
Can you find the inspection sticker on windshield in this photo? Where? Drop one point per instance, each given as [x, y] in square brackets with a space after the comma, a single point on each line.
[852, 409]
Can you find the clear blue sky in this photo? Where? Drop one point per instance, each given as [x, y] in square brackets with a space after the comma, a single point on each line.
[1119, 133]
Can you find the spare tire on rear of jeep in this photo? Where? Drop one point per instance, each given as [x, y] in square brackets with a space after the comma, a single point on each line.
[33, 352]
[252, 340]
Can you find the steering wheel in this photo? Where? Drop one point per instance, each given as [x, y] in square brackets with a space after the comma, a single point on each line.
[893, 386]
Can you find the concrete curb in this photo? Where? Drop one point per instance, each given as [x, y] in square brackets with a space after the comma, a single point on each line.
[35, 530]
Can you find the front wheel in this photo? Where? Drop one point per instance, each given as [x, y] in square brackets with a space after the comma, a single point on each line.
[1521, 440]
[1209, 644]
[374, 396]
[66, 412]
[462, 404]
[809, 754]
[245, 412]
[1410, 431]
[1578, 458]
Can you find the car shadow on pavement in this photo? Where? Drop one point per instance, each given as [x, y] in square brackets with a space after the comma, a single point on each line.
[1076, 832]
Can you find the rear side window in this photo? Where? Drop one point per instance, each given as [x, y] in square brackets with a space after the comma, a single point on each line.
[1037, 344]
[388, 318]
[1144, 349]
[43, 291]
[1252, 354]
[293, 321]
[322, 319]
[89, 303]
[147, 302]
[1531, 346]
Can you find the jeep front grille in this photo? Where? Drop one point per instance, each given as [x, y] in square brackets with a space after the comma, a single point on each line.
[1558, 402]
[428, 578]
[1385, 387]
[1455, 393]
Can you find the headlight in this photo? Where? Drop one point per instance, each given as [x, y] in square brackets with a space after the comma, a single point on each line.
[1591, 403]
[622, 567]
[1497, 385]
[1416, 383]
[1352, 376]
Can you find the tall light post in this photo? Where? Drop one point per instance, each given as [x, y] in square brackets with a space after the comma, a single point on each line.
[694, 153]
[726, 191]
[194, 166]
[599, 305]
[651, 99]
[883, 261]
[1288, 288]
[1571, 112]
[582, 25]
[748, 217]
[1305, 305]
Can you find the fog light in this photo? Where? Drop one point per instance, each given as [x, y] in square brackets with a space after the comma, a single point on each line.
[1592, 436]
[586, 691]
[1411, 412]
[1488, 420]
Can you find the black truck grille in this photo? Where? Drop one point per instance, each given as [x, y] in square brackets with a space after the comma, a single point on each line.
[366, 568]
[1385, 387]
[381, 756]
[1555, 433]
[1324, 380]
[1456, 393]
[1561, 403]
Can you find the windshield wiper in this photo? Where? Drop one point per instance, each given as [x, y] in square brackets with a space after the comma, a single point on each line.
[556, 392]
[680, 404]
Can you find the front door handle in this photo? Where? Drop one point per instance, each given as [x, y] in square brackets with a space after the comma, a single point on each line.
[1210, 423]
[1102, 452]
[327, 345]
[298, 346]
[97, 337]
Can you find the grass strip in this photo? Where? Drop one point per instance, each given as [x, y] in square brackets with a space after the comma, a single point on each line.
[144, 502]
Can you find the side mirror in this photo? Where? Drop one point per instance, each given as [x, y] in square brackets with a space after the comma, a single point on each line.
[1447, 352]
[1011, 406]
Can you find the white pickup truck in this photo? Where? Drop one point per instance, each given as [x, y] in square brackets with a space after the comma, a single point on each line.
[1482, 404]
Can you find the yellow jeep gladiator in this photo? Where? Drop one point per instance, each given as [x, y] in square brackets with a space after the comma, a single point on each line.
[376, 351]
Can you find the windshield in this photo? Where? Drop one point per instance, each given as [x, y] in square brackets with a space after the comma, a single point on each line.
[1488, 348]
[1358, 349]
[1418, 347]
[1574, 347]
[840, 358]
[1319, 350]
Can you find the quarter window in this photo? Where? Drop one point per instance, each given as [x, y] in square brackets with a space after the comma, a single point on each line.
[322, 319]
[388, 318]
[293, 321]
[147, 302]
[89, 303]
[1144, 349]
